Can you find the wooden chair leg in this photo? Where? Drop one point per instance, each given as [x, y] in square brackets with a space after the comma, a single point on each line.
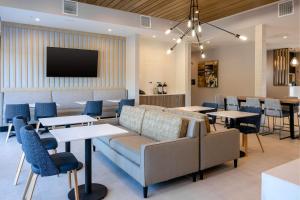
[260, 142]
[75, 185]
[38, 126]
[19, 169]
[27, 185]
[246, 144]
[8, 131]
[31, 189]
[243, 140]
[70, 179]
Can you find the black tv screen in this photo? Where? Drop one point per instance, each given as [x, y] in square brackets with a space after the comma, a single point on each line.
[65, 62]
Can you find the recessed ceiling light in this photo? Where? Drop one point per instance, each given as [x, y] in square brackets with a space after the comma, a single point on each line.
[37, 19]
[285, 37]
[109, 30]
[154, 36]
[174, 39]
[207, 42]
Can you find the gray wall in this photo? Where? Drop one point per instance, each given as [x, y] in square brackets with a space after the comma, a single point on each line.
[23, 58]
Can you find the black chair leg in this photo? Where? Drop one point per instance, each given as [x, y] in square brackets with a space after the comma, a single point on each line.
[145, 192]
[235, 163]
[194, 177]
[201, 174]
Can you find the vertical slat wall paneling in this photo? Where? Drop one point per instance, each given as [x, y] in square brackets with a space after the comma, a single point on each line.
[281, 67]
[24, 53]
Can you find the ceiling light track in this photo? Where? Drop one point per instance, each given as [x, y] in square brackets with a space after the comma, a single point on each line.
[193, 23]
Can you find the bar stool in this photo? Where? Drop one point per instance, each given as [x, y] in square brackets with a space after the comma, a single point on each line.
[43, 164]
[48, 143]
[274, 109]
[44, 110]
[13, 110]
[232, 103]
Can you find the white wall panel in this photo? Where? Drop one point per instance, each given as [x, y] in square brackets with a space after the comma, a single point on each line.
[23, 63]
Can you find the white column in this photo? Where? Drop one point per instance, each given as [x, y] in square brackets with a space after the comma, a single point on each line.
[183, 71]
[132, 67]
[260, 88]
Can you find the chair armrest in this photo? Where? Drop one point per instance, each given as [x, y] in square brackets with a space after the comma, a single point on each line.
[162, 161]
[220, 147]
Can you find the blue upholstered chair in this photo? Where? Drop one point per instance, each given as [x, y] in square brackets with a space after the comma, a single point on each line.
[250, 125]
[48, 143]
[13, 110]
[124, 102]
[44, 110]
[43, 164]
[93, 109]
[212, 119]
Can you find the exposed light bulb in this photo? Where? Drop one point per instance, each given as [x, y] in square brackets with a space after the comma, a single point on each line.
[203, 55]
[169, 51]
[197, 11]
[193, 33]
[189, 24]
[294, 62]
[201, 46]
[178, 40]
[37, 19]
[168, 31]
[199, 28]
[243, 38]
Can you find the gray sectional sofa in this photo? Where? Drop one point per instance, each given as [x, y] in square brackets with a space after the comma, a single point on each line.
[161, 145]
[66, 98]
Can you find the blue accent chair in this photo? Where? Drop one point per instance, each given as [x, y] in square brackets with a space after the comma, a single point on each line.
[212, 119]
[48, 143]
[93, 109]
[44, 110]
[43, 164]
[13, 110]
[124, 102]
[250, 125]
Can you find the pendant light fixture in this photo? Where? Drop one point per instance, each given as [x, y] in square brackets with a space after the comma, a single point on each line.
[294, 61]
[194, 26]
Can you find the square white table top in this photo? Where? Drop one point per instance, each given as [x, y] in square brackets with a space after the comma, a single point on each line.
[32, 105]
[80, 102]
[66, 120]
[289, 172]
[195, 108]
[85, 132]
[232, 114]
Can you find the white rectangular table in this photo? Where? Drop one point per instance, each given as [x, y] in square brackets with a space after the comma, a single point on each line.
[89, 190]
[195, 108]
[282, 182]
[232, 114]
[66, 120]
[109, 100]
[32, 105]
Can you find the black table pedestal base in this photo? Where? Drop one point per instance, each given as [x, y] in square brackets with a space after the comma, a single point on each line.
[98, 192]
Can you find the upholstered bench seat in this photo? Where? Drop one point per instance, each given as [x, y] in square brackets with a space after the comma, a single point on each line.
[130, 146]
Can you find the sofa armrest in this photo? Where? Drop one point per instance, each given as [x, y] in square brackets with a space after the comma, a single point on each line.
[162, 161]
[219, 147]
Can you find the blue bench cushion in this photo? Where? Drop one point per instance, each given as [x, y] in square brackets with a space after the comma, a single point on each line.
[130, 146]
[49, 143]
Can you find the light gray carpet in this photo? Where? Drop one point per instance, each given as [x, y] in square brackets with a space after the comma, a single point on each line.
[223, 182]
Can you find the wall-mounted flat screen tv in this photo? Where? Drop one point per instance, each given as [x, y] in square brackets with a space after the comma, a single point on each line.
[66, 62]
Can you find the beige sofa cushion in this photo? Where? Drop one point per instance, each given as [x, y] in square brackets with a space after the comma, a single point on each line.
[195, 115]
[131, 118]
[152, 107]
[130, 146]
[161, 126]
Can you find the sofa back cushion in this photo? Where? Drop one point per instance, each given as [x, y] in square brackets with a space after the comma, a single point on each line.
[132, 118]
[194, 115]
[161, 126]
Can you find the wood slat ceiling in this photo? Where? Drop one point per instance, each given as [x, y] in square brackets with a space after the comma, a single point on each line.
[178, 10]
